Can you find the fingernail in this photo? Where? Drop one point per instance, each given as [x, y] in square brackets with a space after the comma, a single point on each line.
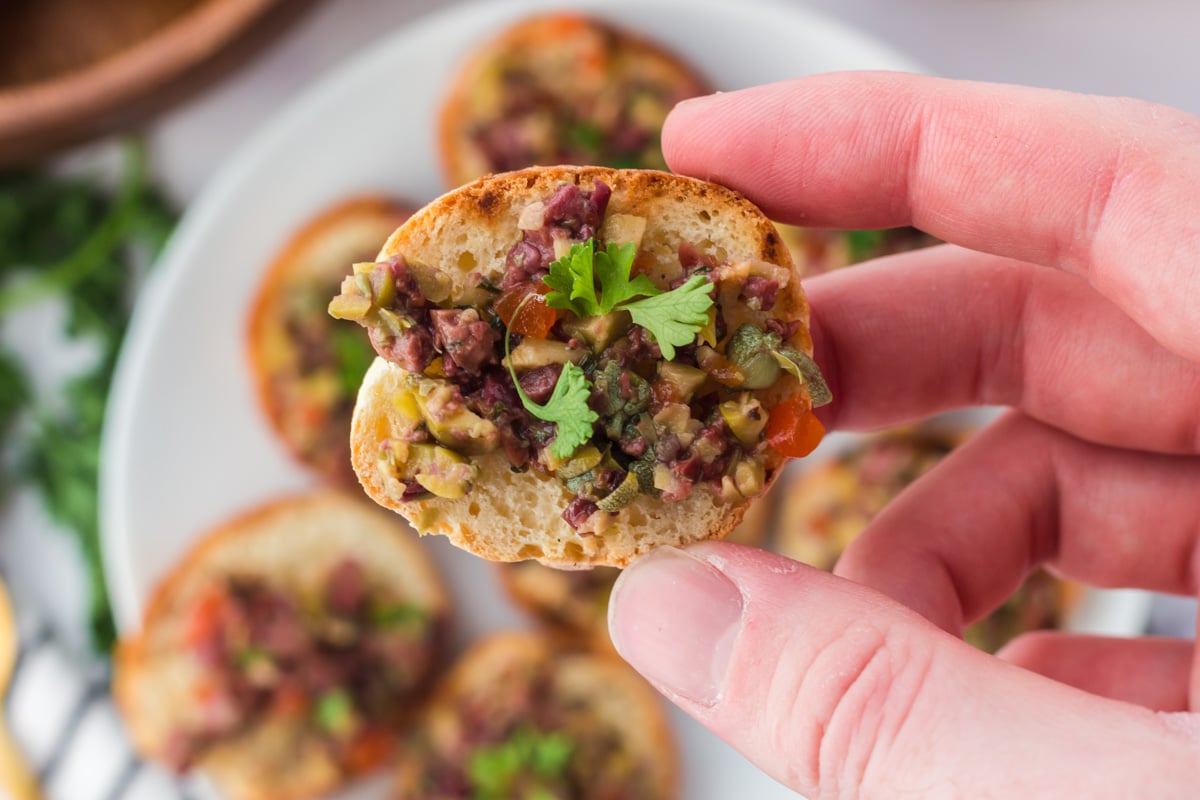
[676, 619]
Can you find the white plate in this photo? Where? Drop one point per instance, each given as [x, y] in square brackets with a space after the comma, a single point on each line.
[186, 446]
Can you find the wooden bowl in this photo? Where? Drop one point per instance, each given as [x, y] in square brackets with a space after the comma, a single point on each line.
[70, 70]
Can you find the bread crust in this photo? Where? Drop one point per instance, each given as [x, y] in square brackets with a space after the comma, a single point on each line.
[291, 541]
[318, 254]
[597, 56]
[466, 233]
[598, 679]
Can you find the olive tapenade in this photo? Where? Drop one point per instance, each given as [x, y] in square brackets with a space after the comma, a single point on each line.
[580, 365]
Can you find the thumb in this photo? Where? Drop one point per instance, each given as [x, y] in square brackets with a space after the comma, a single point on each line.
[837, 691]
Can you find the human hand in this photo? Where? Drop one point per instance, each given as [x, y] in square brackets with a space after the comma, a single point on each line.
[860, 685]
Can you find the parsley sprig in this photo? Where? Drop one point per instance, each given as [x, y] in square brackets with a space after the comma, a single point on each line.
[673, 318]
[567, 406]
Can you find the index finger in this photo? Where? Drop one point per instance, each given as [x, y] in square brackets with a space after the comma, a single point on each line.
[1104, 187]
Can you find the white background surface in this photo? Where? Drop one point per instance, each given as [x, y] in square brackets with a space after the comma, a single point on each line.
[1143, 48]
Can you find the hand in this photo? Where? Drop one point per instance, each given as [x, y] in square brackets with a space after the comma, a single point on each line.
[860, 685]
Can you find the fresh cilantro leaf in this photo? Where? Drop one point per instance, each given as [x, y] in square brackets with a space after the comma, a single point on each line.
[551, 753]
[567, 407]
[495, 772]
[573, 281]
[676, 316]
[612, 266]
[672, 317]
[574, 278]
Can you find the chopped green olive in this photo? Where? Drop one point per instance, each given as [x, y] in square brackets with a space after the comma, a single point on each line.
[451, 422]
[353, 307]
[748, 477]
[584, 460]
[599, 331]
[440, 471]
[745, 416]
[622, 496]
[534, 353]
[683, 380]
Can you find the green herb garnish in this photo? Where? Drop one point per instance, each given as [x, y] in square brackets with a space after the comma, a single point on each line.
[71, 239]
[495, 772]
[673, 318]
[391, 616]
[334, 712]
[567, 407]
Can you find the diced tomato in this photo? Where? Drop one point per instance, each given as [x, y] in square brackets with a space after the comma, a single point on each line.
[793, 429]
[534, 318]
[204, 620]
[289, 700]
[369, 748]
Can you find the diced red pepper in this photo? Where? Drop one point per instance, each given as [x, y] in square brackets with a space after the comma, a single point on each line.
[534, 318]
[289, 700]
[204, 619]
[793, 429]
[369, 748]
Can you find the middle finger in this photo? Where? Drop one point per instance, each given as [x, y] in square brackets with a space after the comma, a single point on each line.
[923, 332]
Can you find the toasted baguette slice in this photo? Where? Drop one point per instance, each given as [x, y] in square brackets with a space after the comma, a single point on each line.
[573, 605]
[306, 365]
[463, 236]
[561, 88]
[503, 676]
[290, 544]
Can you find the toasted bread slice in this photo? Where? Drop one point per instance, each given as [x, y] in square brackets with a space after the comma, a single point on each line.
[463, 237]
[306, 365]
[573, 605]
[561, 88]
[291, 545]
[600, 712]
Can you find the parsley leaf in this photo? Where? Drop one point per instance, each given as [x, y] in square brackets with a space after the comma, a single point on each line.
[567, 407]
[495, 772]
[612, 267]
[573, 278]
[674, 317]
[573, 281]
[70, 238]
